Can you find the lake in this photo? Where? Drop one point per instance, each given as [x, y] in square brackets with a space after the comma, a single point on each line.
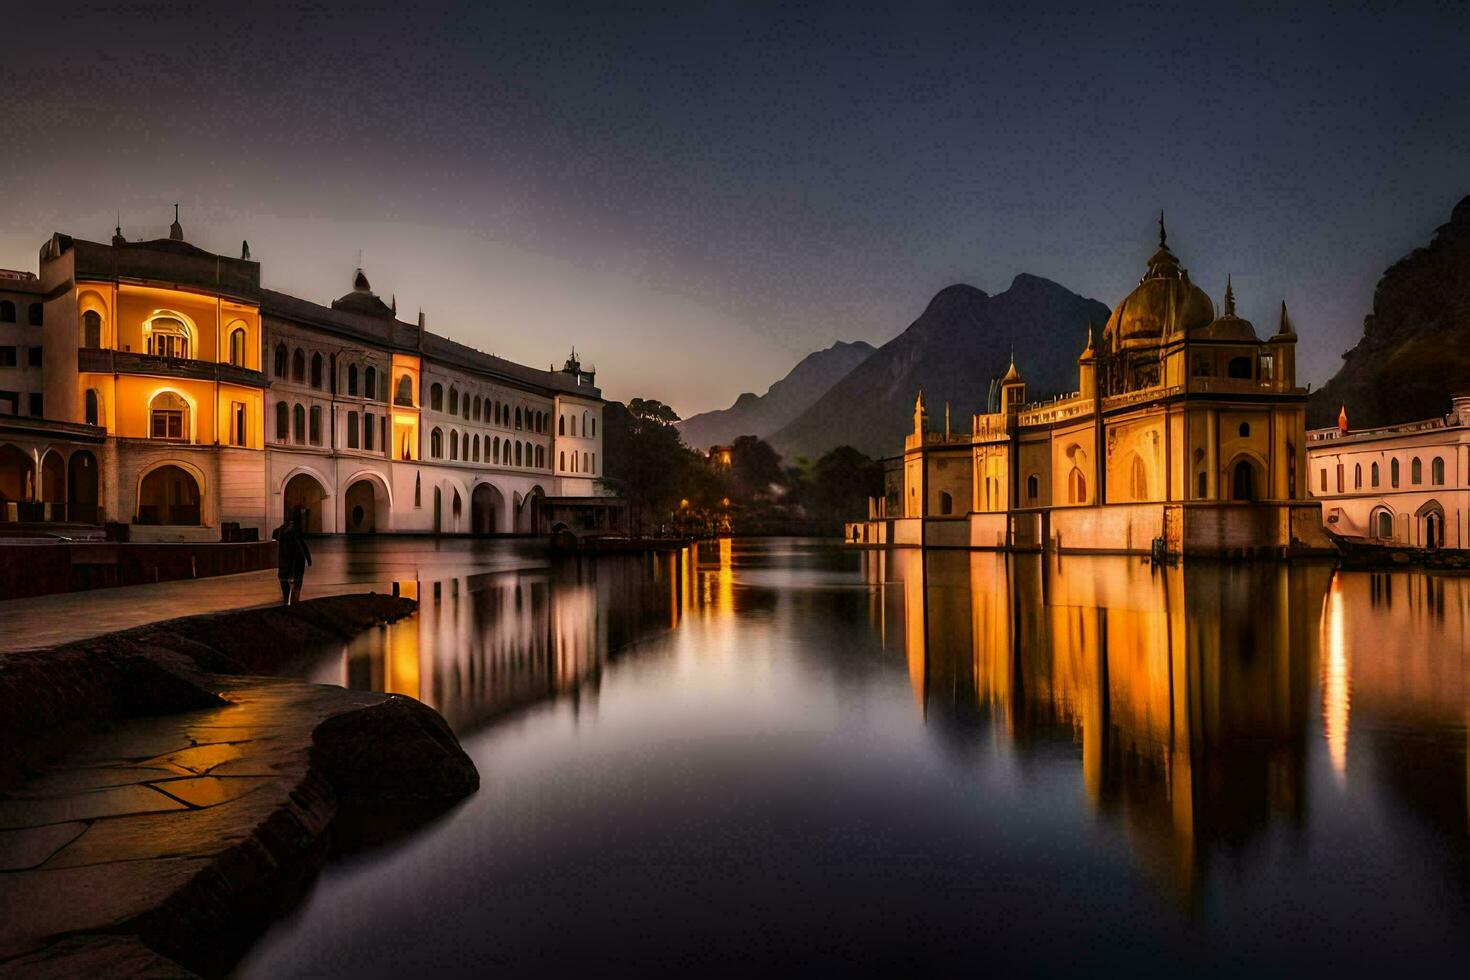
[785, 755]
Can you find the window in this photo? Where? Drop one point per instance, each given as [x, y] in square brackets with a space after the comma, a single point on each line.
[1245, 430]
[1416, 471]
[33, 356]
[35, 314]
[1203, 489]
[1323, 480]
[280, 365]
[167, 417]
[352, 430]
[418, 491]
[518, 454]
[10, 402]
[1239, 367]
[316, 425]
[237, 424]
[7, 311]
[1357, 476]
[237, 346]
[436, 397]
[574, 425]
[585, 426]
[316, 370]
[37, 409]
[1339, 478]
[594, 456]
[367, 431]
[7, 357]
[352, 380]
[1375, 474]
[283, 424]
[477, 448]
[518, 416]
[370, 383]
[453, 442]
[1436, 472]
[91, 329]
[1383, 525]
[585, 464]
[298, 366]
[168, 337]
[405, 391]
[594, 426]
[946, 502]
[453, 400]
[562, 461]
[561, 426]
[477, 408]
[298, 420]
[1076, 487]
[495, 452]
[93, 408]
[436, 444]
[1393, 473]
[1033, 487]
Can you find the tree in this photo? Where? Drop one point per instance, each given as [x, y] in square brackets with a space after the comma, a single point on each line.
[644, 460]
[754, 468]
[841, 483]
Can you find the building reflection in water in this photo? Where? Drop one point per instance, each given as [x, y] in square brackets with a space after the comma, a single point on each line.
[1190, 691]
[486, 644]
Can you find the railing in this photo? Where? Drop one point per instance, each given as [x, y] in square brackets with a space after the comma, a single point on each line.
[1428, 425]
[103, 361]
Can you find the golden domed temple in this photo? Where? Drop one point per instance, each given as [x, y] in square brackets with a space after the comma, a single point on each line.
[1186, 435]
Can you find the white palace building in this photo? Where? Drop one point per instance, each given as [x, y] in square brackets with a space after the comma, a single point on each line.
[158, 385]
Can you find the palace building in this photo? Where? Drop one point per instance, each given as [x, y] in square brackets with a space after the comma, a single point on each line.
[1399, 486]
[158, 385]
[1186, 433]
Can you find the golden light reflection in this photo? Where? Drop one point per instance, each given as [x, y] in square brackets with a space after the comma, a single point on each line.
[1336, 684]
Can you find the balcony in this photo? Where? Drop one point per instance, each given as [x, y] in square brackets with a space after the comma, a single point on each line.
[102, 361]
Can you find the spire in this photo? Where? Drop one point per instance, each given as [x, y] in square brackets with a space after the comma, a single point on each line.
[360, 282]
[245, 250]
[1011, 373]
[1229, 296]
[1286, 329]
[1087, 352]
[117, 235]
[394, 304]
[176, 230]
[1163, 235]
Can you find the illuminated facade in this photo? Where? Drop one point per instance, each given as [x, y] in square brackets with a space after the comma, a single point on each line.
[1186, 429]
[1404, 485]
[181, 397]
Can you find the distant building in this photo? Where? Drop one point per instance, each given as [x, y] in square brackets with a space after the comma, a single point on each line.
[158, 384]
[1186, 428]
[1406, 485]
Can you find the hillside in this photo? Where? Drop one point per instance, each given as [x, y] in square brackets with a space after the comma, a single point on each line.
[761, 415]
[961, 341]
[1415, 350]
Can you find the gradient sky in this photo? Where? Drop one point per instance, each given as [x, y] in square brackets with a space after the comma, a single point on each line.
[698, 195]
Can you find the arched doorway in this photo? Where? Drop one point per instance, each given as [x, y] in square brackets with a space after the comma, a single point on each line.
[1243, 480]
[528, 514]
[1432, 514]
[304, 497]
[17, 482]
[53, 478]
[486, 503]
[360, 507]
[81, 486]
[169, 495]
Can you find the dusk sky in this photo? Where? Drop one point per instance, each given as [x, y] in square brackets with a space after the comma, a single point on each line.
[696, 196]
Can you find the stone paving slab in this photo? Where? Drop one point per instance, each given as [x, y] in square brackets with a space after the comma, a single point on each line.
[29, 848]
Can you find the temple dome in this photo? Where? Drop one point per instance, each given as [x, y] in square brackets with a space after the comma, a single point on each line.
[1228, 326]
[362, 299]
[1163, 305]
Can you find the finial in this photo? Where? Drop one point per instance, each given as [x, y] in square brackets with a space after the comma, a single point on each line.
[176, 230]
[1163, 235]
[1286, 329]
[245, 250]
[421, 318]
[117, 235]
[176, 210]
[1229, 296]
[393, 303]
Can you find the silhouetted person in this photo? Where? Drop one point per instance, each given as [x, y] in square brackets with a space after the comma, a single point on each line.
[292, 557]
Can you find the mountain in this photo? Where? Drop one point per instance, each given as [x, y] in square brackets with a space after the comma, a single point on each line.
[1415, 351]
[961, 341]
[760, 415]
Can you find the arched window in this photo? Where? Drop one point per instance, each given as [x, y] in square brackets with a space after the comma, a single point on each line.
[1076, 487]
[237, 344]
[316, 370]
[1375, 474]
[168, 417]
[352, 379]
[574, 425]
[1245, 430]
[946, 502]
[298, 366]
[594, 426]
[92, 329]
[1033, 487]
[477, 408]
[298, 423]
[169, 495]
[466, 407]
[35, 314]
[1239, 367]
[453, 443]
[1357, 476]
[7, 311]
[561, 463]
[370, 383]
[518, 454]
[436, 444]
[476, 445]
[518, 416]
[495, 450]
[1243, 481]
[585, 428]
[1383, 524]
[1416, 471]
[436, 397]
[1393, 473]
[280, 365]
[1436, 471]
[453, 400]
[367, 430]
[541, 456]
[316, 425]
[594, 456]
[168, 337]
[93, 408]
[561, 426]
[283, 421]
[405, 391]
[585, 465]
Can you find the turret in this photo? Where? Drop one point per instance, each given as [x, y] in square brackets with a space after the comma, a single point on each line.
[1012, 390]
[1087, 368]
[1283, 345]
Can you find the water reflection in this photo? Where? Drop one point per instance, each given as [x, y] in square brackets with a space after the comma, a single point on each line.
[1188, 691]
[486, 643]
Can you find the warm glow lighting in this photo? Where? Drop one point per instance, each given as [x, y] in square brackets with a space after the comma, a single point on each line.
[1336, 688]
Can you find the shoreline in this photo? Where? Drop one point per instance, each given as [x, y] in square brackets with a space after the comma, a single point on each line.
[162, 801]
